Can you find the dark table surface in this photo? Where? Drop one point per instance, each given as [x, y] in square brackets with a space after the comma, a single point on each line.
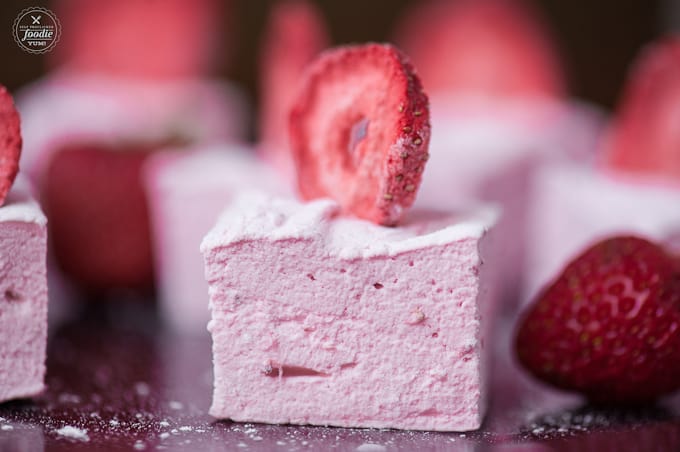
[118, 381]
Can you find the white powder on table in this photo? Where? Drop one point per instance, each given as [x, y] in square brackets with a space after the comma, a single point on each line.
[73, 432]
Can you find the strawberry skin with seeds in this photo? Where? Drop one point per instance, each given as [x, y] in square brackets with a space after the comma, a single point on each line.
[609, 326]
[10, 143]
[360, 131]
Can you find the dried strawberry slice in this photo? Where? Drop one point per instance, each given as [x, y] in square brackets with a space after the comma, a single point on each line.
[10, 142]
[360, 131]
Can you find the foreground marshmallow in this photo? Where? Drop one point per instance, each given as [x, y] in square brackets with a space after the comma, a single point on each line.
[23, 296]
[573, 206]
[186, 193]
[318, 319]
[489, 153]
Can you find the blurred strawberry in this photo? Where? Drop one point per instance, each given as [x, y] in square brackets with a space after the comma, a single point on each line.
[295, 34]
[10, 142]
[139, 38]
[609, 326]
[98, 221]
[490, 48]
[645, 137]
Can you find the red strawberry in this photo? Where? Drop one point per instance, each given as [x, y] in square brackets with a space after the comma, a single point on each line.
[646, 137]
[295, 35]
[98, 220]
[139, 38]
[609, 326]
[10, 142]
[495, 48]
[360, 130]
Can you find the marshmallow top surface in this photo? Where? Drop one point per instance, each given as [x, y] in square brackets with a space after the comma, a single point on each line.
[21, 206]
[256, 216]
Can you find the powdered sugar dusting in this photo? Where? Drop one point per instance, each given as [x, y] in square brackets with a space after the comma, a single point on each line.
[72, 432]
[258, 216]
[20, 205]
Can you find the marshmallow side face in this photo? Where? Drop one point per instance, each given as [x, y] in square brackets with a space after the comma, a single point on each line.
[23, 297]
[331, 321]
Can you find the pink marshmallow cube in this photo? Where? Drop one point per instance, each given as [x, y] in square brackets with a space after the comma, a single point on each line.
[23, 296]
[325, 320]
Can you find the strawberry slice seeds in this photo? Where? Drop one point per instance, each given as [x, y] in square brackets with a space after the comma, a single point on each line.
[10, 142]
[609, 326]
[360, 131]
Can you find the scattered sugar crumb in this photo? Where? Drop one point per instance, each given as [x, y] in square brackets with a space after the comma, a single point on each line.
[280, 443]
[139, 445]
[7, 427]
[73, 432]
[256, 438]
[164, 435]
[114, 423]
[175, 405]
[69, 398]
[241, 445]
[186, 428]
[139, 415]
[142, 389]
[174, 431]
[164, 424]
[370, 447]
